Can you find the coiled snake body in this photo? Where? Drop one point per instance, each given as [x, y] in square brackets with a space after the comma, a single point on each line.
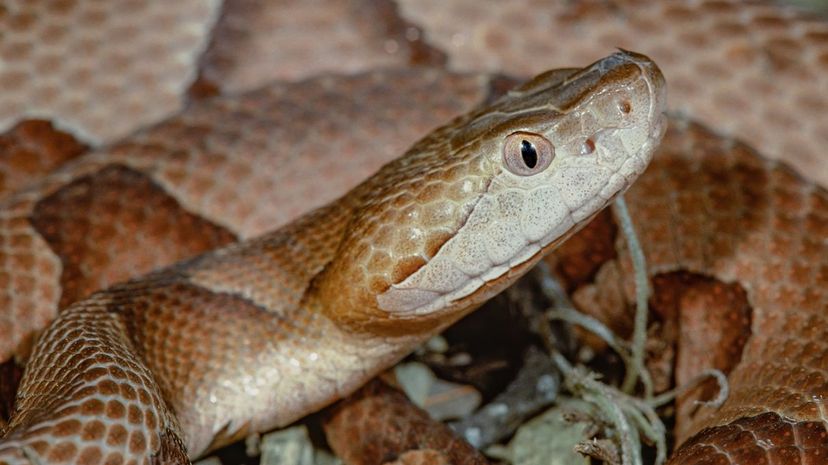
[707, 205]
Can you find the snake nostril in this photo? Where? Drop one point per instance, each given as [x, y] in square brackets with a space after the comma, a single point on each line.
[588, 146]
[624, 107]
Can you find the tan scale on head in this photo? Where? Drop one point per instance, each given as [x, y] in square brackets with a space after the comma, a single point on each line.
[470, 207]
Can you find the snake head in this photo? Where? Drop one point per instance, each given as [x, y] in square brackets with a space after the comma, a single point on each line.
[474, 204]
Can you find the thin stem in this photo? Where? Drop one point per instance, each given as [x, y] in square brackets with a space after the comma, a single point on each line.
[642, 295]
[721, 379]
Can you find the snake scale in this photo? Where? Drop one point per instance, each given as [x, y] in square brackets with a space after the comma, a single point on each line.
[715, 214]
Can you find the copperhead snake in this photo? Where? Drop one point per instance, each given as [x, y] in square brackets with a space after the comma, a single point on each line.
[775, 411]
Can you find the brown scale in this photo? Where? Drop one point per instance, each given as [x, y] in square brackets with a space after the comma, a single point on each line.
[31, 149]
[361, 35]
[379, 425]
[115, 224]
[53, 55]
[107, 369]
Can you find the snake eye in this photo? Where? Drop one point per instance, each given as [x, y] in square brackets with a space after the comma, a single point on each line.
[526, 154]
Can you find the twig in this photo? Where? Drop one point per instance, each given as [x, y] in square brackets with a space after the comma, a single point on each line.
[642, 294]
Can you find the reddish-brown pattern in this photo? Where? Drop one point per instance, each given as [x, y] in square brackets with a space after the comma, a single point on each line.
[710, 322]
[767, 438]
[378, 425]
[360, 35]
[114, 224]
[53, 54]
[31, 149]
[578, 259]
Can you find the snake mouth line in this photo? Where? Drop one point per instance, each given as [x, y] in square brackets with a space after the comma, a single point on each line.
[437, 300]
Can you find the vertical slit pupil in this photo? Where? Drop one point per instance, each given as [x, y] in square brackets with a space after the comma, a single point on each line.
[529, 154]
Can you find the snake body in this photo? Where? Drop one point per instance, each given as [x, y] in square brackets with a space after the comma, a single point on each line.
[257, 334]
[747, 78]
